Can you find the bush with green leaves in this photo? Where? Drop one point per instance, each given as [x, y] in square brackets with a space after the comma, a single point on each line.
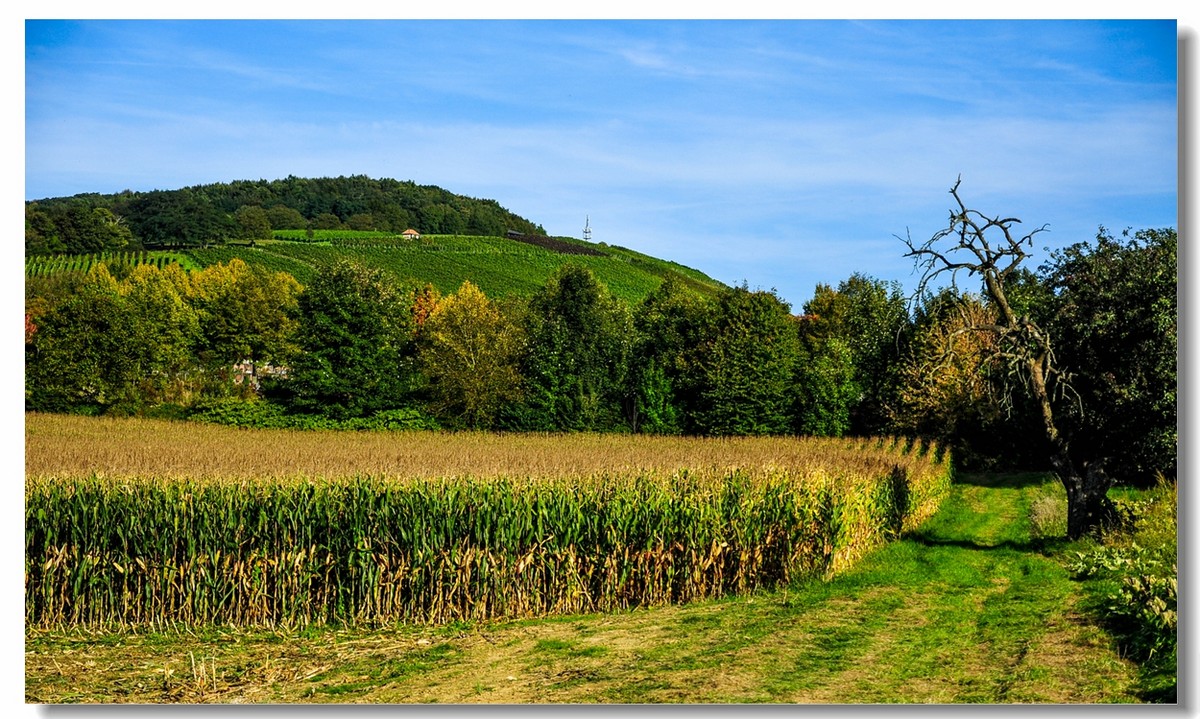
[266, 415]
[1131, 577]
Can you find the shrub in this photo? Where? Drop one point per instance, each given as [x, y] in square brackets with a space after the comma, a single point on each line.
[394, 420]
[1131, 577]
[266, 415]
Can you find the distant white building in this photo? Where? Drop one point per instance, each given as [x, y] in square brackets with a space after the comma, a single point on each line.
[411, 234]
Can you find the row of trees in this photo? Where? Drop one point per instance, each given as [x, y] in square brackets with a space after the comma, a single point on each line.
[574, 358]
[251, 210]
[354, 342]
[860, 359]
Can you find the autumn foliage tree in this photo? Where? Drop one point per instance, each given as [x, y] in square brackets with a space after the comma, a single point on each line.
[470, 355]
[948, 378]
[163, 328]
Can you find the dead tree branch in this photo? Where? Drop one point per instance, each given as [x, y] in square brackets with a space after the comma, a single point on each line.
[989, 250]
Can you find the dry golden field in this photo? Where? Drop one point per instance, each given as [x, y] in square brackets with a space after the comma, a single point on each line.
[68, 446]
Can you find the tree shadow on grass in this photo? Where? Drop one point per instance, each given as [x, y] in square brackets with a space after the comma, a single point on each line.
[1045, 546]
[1004, 480]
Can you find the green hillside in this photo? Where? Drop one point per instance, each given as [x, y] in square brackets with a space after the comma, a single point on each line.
[206, 215]
[498, 266]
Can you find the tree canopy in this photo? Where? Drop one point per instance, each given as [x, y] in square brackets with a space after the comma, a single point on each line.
[355, 335]
[204, 215]
[1114, 310]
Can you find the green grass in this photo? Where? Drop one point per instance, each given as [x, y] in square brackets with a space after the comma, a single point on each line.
[363, 675]
[333, 235]
[968, 609]
[1130, 583]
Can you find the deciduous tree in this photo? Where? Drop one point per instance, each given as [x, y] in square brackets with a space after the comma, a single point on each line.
[826, 388]
[75, 228]
[746, 365]
[162, 333]
[361, 221]
[180, 218]
[326, 221]
[868, 317]
[247, 313]
[252, 223]
[1115, 316]
[282, 217]
[580, 338]
[948, 378]
[470, 352]
[78, 359]
[664, 375]
[354, 335]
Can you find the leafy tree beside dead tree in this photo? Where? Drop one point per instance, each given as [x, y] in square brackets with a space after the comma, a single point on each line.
[989, 250]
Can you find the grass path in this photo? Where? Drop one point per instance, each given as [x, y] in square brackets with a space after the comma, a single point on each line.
[967, 610]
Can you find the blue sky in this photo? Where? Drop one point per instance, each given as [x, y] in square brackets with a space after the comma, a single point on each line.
[781, 153]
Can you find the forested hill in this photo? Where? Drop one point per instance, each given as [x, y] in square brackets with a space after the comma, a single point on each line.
[205, 215]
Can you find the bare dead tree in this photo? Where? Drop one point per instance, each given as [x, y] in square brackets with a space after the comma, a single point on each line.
[989, 250]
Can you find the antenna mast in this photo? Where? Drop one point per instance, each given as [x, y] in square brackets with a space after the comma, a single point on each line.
[587, 228]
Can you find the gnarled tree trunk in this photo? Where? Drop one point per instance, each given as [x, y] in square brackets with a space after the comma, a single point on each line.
[1088, 505]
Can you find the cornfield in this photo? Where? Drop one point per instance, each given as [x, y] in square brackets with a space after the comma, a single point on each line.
[371, 547]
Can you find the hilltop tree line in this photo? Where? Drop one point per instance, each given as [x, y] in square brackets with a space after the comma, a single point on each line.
[214, 214]
[237, 341]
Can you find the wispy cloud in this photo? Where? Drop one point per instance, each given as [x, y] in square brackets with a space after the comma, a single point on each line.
[199, 60]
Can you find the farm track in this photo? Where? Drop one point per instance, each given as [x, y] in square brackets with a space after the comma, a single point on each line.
[966, 610]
